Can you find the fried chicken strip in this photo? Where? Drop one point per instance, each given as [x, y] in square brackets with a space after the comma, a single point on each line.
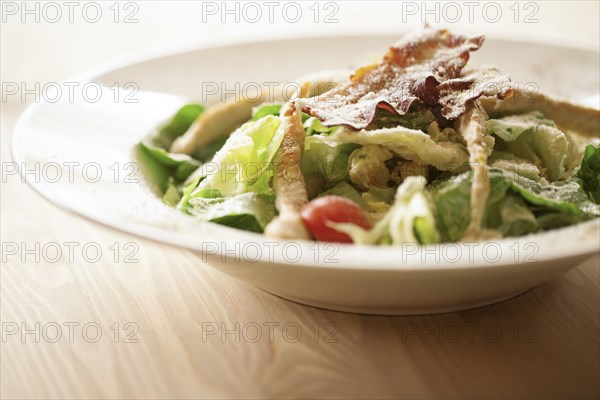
[288, 182]
[480, 145]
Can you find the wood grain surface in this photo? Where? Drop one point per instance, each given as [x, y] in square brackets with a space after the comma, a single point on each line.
[166, 325]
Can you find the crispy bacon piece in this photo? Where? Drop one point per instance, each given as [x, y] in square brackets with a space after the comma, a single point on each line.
[424, 66]
[458, 93]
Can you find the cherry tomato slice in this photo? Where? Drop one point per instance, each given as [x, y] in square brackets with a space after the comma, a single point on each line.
[321, 210]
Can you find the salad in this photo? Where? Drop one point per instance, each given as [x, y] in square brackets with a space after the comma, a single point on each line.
[419, 147]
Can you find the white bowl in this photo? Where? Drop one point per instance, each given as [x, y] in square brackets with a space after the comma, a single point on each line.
[79, 139]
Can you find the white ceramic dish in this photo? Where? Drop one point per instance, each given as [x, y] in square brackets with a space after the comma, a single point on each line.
[70, 136]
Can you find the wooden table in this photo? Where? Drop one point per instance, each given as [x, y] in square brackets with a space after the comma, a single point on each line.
[168, 326]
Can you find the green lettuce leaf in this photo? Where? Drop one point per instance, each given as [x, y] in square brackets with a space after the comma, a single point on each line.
[206, 153]
[563, 196]
[220, 196]
[410, 144]
[244, 163]
[331, 162]
[505, 211]
[385, 195]
[535, 138]
[265, 109]
[314, 126]
[344, 189]
[589, 172]
[177, 126]
[247, 211]
[172, 195]
[511, 127]
[188, 188]
[452, 198]
[516, 206]
[516, 219]
[157, 173]
[554, 220]
[178, 166]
